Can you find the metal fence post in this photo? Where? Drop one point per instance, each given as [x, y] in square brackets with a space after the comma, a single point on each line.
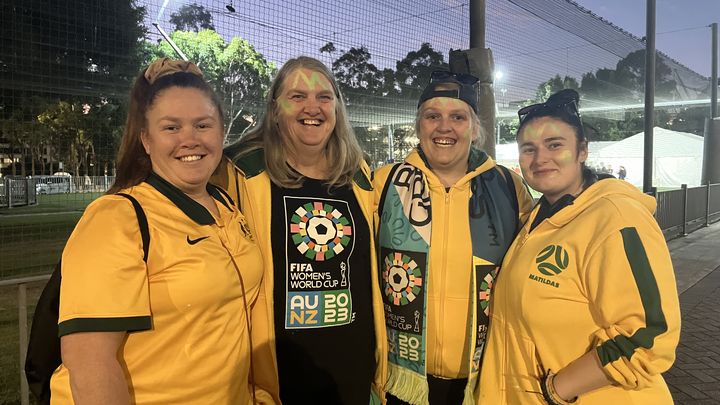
[685, 204]
[707, 205]
[8, 192]
[23, 338]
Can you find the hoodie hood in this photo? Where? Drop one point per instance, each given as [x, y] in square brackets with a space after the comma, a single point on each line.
[478, 162]
[612, 190]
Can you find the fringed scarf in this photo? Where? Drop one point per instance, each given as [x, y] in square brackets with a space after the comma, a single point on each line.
[404, 242]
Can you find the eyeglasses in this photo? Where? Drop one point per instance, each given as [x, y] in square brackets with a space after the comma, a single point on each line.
[462, 78]
[568, 106]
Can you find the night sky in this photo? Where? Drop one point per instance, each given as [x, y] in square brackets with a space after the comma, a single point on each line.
[681, 26]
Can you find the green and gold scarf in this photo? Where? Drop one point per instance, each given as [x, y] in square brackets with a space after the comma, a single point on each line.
[404, 248]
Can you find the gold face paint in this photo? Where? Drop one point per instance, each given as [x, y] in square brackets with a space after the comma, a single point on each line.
[566, 156]
[314, 81]
[306, 110]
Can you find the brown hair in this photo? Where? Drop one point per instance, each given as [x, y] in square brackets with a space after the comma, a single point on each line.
[133, 163]
[343, 147]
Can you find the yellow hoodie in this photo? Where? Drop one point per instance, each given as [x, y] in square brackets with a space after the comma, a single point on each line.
[450, 258]
[595, 276]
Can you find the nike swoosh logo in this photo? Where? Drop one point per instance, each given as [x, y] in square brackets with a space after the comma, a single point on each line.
[194, 241]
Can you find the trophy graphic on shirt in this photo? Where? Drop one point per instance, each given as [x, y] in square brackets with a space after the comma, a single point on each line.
[417, 321]
[343, 283]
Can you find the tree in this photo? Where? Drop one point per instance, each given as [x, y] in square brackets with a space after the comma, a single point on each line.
[76, 46]
[414, 70]
[70, 51]
[356, 75]
[328, 48]
[554, 85]
[690, 119]
[626, 83]
[63, 121]
[238, 72]
[192, 17]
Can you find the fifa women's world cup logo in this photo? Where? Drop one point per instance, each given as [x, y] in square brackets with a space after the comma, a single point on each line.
[402, 277]
[319, 231]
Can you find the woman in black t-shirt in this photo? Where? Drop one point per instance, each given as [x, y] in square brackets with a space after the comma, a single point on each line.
[301, 181]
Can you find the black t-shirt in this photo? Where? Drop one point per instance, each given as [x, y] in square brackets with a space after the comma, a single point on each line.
[324, 330]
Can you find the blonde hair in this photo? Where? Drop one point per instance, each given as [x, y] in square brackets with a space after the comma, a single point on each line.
[343, 150]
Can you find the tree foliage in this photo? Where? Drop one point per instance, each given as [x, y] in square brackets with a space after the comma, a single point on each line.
[192, 17]
[357, 77]
[623, 85]
[626, 83]
[238, 72]
[71, 53]
[554, 85]
[413, 71]
[365, 85]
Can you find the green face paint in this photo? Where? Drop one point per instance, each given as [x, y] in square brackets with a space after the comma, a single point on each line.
[286, 106]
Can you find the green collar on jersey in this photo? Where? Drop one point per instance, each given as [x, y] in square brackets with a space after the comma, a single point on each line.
[190, 207]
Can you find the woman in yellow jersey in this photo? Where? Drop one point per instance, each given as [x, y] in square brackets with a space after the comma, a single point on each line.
[174, 329]
[585, 309]
[305, 189]
[446, 215]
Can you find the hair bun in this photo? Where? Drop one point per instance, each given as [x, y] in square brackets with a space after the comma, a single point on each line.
[564, 96]
[165, 66]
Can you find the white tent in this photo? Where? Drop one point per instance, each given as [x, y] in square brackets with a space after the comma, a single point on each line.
[677, 158]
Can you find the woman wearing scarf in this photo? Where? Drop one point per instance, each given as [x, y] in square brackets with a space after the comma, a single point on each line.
[446, 216]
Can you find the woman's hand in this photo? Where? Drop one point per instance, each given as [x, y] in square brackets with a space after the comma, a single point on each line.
[582, 375]
[96, 376]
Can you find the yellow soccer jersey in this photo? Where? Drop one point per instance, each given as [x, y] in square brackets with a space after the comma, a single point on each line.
[187, 339]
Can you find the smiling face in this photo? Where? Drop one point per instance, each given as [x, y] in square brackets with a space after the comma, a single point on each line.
[183, 135]
[550, 159]
[306, 111]
[445, 132]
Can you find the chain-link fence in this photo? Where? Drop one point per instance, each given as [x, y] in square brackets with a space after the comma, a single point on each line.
[66, 67]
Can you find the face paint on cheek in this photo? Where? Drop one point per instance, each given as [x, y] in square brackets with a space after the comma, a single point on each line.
[566, 157]
[468, 133]
[285, 105]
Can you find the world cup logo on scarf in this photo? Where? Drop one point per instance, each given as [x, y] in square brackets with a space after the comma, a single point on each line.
[402, 277]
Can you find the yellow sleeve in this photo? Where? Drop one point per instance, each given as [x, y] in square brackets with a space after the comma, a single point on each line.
[104, 284]
[630, 283]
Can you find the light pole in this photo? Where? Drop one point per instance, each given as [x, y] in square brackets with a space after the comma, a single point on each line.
[498, 78]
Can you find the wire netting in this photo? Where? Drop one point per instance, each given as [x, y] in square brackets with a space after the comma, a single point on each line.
[66, 67]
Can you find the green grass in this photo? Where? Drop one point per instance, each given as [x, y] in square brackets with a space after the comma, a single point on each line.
[9, 339]
[31, 241]
[32, 237]
[53, 203]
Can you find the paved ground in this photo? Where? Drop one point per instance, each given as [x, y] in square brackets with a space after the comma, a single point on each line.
[695, 377]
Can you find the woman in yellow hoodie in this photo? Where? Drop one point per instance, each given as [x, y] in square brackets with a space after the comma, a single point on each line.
[585, 309]
[447, 214]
